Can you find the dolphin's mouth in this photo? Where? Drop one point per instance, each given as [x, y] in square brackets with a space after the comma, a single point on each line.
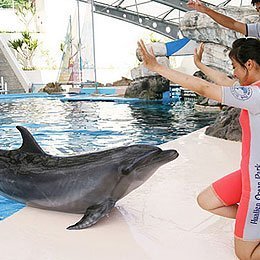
[153, 158]
[159, 157]
[162, 156]
[167, 155]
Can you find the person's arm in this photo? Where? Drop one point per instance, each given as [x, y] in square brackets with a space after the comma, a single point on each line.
[200, 86]
[216, 76]
[221, 19]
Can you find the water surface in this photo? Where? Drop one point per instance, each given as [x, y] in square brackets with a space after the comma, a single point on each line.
[78, 127]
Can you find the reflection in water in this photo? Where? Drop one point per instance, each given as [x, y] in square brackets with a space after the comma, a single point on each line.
[170, 122]
[72, 128]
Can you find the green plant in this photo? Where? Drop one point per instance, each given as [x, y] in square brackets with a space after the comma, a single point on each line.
[6, 4]
[153, 38]
[25, 11]
[62, 47]
[12, 3]
[25, 48]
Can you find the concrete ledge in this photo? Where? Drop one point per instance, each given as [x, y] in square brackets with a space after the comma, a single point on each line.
[159, 220]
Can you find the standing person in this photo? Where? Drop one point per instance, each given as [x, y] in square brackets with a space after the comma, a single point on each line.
[252, 30]
[242, 186]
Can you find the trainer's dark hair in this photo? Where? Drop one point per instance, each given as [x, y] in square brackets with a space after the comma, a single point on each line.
[244, 49]
[254, 2]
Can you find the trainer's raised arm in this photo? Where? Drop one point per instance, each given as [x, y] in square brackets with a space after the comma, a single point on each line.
[148, 58]
[216, 76]
[195, 84]
[221, 19]
[197, 5]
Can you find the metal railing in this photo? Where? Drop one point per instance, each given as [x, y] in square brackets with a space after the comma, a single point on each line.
[3, 86]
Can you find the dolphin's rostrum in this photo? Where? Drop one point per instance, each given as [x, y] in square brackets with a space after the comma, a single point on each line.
[88, 184]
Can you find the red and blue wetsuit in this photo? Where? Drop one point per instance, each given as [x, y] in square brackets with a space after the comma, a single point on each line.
[243, 186]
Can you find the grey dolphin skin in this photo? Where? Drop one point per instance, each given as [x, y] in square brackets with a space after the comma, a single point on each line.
[88, 184]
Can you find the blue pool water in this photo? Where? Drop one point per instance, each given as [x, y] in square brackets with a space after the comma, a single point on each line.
[64, 128]
[9, 207]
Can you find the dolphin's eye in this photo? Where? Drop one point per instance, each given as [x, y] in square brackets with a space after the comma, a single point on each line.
[125, 171]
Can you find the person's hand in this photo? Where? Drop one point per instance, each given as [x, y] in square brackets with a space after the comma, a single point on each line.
[197, 57]
[197, 5]
[148, 58]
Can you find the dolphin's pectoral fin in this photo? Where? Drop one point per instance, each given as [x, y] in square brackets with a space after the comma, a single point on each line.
[94, 214]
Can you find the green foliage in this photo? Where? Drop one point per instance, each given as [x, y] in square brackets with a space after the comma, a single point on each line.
[153, 38]
[26, 40]
[10, 3]
[16, 44]
[62, 47]
[25, 48]
[6, 4]
[26, 11]
[25, 6]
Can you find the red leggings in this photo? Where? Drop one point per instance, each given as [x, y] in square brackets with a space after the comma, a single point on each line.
[229, 190]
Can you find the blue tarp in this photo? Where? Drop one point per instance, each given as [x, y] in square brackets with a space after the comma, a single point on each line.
[180, 47]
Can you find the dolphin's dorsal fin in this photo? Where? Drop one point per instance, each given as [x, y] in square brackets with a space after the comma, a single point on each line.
[29, 144]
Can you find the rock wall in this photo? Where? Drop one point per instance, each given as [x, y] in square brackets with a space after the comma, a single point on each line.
[226, 125]
[218, 41]
[149, 87]
[148, 84]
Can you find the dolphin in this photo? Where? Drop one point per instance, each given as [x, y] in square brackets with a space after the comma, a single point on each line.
[88, 184]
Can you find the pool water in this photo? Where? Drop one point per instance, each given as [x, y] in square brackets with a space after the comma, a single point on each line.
[65, 128]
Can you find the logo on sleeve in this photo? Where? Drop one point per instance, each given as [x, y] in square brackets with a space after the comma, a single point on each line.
[241, 93]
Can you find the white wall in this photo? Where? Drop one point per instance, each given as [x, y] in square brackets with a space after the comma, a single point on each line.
[9, 21]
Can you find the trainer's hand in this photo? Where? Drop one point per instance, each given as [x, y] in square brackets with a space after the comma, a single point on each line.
[197, 57]
[197, 5]
[148, 58]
